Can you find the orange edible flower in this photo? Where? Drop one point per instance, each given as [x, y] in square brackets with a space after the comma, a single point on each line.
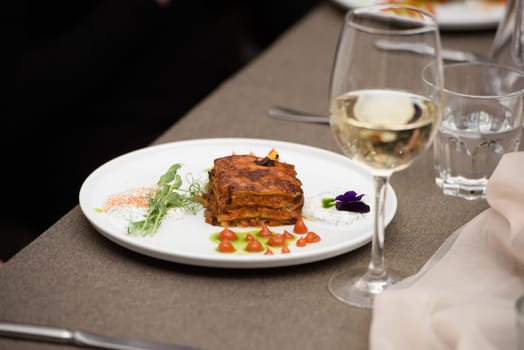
[272, 155]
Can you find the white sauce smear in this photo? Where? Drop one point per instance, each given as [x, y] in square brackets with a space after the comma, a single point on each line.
[314, 211]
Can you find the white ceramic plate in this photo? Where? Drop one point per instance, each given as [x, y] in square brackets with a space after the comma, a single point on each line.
[187, 239]
[453, 14]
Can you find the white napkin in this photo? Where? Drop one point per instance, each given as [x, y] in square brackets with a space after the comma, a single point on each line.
[464, 297]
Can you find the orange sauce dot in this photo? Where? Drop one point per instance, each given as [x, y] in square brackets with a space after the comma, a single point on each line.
[300, 227]
[287, 235]
[301, 242]
[226, 247]
[264, 232]
[254, 246]
[312, 237]
[227, 234]
[277, 240]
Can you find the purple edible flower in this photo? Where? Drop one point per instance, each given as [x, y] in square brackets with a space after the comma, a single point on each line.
[349, 196]
[350, 201]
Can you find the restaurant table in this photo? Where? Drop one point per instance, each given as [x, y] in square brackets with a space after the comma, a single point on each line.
[72, 276]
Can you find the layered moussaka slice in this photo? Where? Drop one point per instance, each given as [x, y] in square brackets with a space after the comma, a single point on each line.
[244, 190]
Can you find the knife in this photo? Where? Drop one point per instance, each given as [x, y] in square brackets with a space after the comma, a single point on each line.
[79, 338]
[283, 113]
[447, 54]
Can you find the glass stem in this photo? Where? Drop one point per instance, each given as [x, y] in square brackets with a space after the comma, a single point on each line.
[376, 264]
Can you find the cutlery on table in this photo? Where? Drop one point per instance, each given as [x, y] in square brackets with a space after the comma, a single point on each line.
[289, 114]
[79, 338]
[447, 54]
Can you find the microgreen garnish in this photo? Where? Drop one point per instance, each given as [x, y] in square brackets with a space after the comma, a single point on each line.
[349, 201]
[169, 194]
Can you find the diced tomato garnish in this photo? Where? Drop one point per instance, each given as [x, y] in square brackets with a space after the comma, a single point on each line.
[268, 252]
[285, 249]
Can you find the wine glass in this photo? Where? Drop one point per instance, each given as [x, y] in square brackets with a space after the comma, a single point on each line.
[383, 115]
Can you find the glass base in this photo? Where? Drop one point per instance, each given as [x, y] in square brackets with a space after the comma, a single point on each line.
[359, 288]
[462, 187]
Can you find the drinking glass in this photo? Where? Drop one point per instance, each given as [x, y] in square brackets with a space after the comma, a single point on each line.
[382, 115]
[481, 121]
[519, 305]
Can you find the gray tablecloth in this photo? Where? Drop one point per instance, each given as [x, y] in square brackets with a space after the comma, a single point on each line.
[72, 276]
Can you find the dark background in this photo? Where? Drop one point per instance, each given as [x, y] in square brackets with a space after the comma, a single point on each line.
[90, 80]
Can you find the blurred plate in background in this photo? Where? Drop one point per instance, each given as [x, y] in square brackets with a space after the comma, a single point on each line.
[450, 14]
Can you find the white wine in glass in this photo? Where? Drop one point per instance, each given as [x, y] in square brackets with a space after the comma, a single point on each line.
[383, 115]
